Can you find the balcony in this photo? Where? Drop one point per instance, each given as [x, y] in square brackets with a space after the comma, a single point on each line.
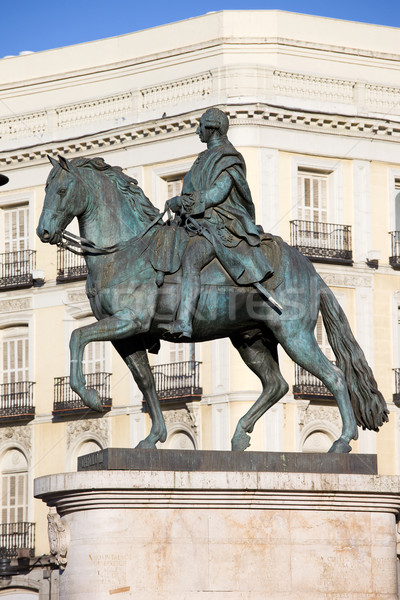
[15, 536]
[396, 395]
[16, 401]
[67, 403]
[322, 242]
[394, 259]
[16, 269]
[178, 381]
[70, 267]
[308, 386]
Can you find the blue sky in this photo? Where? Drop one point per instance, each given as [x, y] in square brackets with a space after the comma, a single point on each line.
[40, 25]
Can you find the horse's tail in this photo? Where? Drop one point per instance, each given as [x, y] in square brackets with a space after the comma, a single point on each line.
[369, 406]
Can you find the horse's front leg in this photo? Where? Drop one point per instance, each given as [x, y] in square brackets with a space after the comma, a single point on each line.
[122, 324]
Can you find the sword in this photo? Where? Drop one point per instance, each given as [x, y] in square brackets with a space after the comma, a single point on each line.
[194, 227]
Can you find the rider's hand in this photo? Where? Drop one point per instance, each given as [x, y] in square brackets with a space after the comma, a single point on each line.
[174, 204]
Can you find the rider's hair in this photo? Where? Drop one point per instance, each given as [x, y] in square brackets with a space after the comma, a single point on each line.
[216, 119]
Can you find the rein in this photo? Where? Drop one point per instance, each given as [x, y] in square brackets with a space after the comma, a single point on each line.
[82, 246]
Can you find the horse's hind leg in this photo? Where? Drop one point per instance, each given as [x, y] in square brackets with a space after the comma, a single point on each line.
[304, 350]
[262, 358]
[138, 364]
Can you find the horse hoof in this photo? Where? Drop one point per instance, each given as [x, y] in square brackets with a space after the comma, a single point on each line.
[92, 400]
[240, 441]
[147, 444]
[340, 447]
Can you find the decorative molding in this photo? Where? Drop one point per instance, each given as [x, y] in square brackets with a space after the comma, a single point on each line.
[184, 419]
[311, 414]
[15, 304]
[20, 436]
[100, 110]
[308, 86]
[59, 537]
[24, 125]
[175, 92]
[349, 281]
[77, 431]
[79, 296]
[257, 114]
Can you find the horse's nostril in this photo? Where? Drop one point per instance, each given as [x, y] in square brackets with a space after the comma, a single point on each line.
[45, 235]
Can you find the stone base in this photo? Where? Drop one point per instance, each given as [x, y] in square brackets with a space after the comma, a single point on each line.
[169, 535]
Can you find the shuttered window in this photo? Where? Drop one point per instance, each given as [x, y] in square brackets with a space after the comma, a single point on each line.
[15, 349]
[312, 196]
[16, 229]
[174, 187]
[322, 339]
[94, 358]
[14, 484]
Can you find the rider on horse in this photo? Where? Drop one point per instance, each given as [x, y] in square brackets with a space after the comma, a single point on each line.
[216, 203]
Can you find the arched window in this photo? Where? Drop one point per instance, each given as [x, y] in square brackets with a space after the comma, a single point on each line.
[14, 487]
[84, 447]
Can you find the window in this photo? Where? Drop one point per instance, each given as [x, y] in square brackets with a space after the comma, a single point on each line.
[312, 190]
[314, 231]
[15, 349]
[94, 358]
[394, 258]
[14, 487]
[174, 187]
[17, 261]
[16, 229]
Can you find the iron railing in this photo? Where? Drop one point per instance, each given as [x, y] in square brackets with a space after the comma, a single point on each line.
[308, 386]
[16, 400]
[394, 259]
[322, 242]
[67, 402]
[70, 267]
[396, 395]
[178, 381]
[16, 269]
[15, 536]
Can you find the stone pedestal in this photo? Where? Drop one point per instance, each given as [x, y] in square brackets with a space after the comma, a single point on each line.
[182, 535]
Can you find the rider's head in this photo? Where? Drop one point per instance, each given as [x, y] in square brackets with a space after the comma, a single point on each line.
[216, 119]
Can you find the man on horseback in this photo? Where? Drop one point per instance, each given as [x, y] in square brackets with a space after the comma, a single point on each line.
[218, 212]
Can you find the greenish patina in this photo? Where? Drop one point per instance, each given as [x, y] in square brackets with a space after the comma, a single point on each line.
[205, 275]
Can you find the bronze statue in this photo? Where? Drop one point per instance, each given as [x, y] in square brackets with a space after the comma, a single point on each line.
[127, 247]
[217, 209]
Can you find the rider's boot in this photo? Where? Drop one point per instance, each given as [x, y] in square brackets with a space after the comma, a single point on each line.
[182, 327]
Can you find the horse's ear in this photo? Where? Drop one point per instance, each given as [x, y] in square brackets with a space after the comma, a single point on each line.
[53, 161]
[65, 164]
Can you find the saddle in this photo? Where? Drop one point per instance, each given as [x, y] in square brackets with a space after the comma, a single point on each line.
[169, 243]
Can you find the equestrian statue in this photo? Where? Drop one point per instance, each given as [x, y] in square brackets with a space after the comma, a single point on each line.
[210, 272]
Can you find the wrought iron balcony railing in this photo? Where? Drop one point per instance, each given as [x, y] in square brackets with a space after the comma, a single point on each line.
[70, 267]
[16, 269]
[396, 395]
[322, 242]
[308, 386]
[66, 402]
[15, 536]
[394, 259]
[16, 401]
[178, 381]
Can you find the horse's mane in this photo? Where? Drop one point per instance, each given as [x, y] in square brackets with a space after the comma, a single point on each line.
[126, 185]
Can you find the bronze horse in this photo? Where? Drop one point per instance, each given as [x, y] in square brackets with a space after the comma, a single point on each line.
[131, 309]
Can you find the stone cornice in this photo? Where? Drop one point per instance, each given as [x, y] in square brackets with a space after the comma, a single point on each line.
[257, 114]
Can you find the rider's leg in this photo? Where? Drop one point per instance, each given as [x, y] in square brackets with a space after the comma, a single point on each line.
[198, 254]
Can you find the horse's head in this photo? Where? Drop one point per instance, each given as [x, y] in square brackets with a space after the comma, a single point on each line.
[62, 202]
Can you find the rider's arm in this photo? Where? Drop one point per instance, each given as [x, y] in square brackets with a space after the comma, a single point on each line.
[213, 196]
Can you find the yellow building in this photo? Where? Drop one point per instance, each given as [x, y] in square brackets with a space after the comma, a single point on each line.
[314, 107]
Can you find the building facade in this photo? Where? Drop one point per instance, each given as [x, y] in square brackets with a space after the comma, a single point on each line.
[314, 107]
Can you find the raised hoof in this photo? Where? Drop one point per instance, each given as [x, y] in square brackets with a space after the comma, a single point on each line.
[92, 400]
[341, 446]
[240, 441]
